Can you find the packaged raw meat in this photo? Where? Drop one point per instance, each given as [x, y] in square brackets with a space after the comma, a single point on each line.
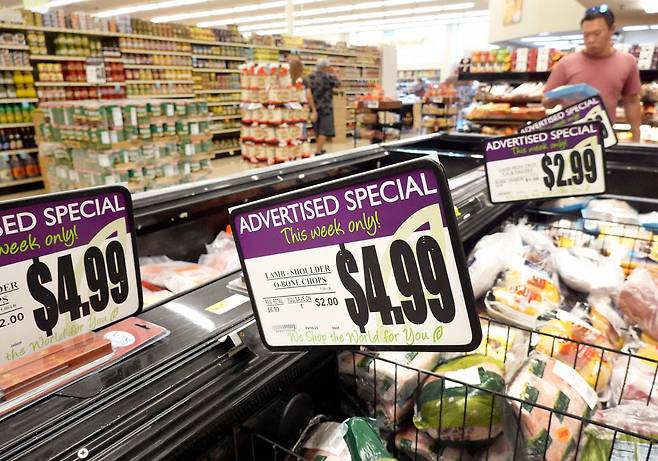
[415, 445]
[366, 369]
[603, 211]
[638, 300]
[565, 205]
[491, 255]
[222, 254]
[462, 413]
[599, 312]
[520, 295]
[635, 378]
[322, 440]
[587, 271]
[637, 418]
[175, 276]
[363, 441]
[591, 362]
[549, 382]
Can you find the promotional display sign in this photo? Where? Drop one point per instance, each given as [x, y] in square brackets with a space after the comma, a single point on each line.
[560, 162]
[68, 264]
[371, 260]
[587, 110]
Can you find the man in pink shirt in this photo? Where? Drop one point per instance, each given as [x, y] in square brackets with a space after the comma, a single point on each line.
[613, 73]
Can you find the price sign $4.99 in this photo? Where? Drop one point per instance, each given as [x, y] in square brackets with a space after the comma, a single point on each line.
[581, 163]
[104, 271]
[413, 276]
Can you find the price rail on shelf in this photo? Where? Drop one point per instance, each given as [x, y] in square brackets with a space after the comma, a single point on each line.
[370, 260]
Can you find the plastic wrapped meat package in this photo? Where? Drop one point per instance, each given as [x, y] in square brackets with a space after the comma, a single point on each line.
[363, 440]
[602, 444]
[520, 295]
[322, 440]
[547, 381]
[175, 276]
[599, 312]
[377, 377]
[508, 345]
[414, 445]
[635, 378]
[638, 300]
[561, 336]
[463, 414]
[222, 254]
[587, 271]
[600, 212]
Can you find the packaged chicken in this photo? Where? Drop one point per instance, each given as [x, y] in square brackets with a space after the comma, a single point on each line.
[462, 414]
[415, 445]
[638, 300]
[587, 271]
[364, 369]
[363, 441]
[600, 212]
[222, 254]
[322, 440]
[634, 378]
[602, 444]
[520, 295]
[562, 338]
[549, 382]
[176, 276]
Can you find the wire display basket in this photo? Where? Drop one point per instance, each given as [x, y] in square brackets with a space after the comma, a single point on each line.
[549, 401]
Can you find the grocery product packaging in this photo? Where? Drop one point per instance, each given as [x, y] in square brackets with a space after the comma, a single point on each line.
[363, 441]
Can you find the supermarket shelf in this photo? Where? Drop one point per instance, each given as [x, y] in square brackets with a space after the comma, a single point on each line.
[211, 43]
[232, 151]
[148, 66]
[218, 71]
[161, 96]
[20, 182]
[222, 103]
[23, 68]
[113, 59]
[134, 82]
[219, 58]
[496, 121]
[10, 46]
[52, 57]
[17, 100]
[225, 131]
[510, 101]
[164, 53]
[18, 151]
[41, 84]
[645, 75]
[16, 125]
[216, 91]
[225, 117]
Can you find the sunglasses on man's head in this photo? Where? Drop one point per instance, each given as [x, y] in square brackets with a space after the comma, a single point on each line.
[601, 9]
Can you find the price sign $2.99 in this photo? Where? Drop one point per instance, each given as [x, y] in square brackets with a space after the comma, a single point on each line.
[104, 272]
[413, 276]
[581, 162]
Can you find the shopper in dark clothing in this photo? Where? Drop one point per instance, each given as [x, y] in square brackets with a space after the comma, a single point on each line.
[322, 83]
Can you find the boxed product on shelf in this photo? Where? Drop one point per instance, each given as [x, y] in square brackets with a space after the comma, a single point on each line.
[146, 144]
[274, 114]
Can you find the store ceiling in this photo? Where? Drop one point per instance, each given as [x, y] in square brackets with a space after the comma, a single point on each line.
[252, 14]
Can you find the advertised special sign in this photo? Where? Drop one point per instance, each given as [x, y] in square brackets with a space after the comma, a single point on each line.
[560, 162]
[587, 110]
[68, 264]
[371, 260]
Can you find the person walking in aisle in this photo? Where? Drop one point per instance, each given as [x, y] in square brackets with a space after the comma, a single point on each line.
[613, 73]
[322, 83]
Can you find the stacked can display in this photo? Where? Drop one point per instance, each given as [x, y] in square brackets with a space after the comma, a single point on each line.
[274, 114]
[145, 144]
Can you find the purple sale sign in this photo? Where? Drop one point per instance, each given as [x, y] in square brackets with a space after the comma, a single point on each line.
[371, 260]
[68, 265]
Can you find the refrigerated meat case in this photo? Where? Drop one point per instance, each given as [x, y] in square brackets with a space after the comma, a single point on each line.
[209, 390]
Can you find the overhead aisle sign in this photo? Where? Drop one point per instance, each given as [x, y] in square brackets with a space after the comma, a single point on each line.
[560, 162]
[68, 264]
[370, 260]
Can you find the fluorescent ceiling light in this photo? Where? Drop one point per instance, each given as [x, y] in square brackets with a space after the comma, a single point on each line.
[650, 6]
[571, 37]
[147, 7]
[560, 44]
[538, 39]
[58, 3]
[244, 19]
[542, 34]
[634, 28]
[229, 11]
[654, 27]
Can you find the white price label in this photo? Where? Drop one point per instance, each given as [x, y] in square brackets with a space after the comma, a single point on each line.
[560, 162]
[371, 260]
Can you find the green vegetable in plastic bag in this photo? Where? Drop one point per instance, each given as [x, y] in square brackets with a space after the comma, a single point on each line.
[363, 441]
[464, 414]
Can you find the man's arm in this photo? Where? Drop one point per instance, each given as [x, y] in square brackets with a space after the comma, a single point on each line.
[633, 110]
[557, 78]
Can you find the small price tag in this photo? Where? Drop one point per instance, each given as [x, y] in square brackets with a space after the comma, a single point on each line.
[372, 104]
[560, 162]
[370, 260]
[68, 265]
[95, 68]
[591, 109]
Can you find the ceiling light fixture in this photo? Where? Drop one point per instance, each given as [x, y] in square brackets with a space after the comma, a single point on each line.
[634, 28]
[229, 11]
[650, 6]
[147, 7]
[58, 3]
[539, 39]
